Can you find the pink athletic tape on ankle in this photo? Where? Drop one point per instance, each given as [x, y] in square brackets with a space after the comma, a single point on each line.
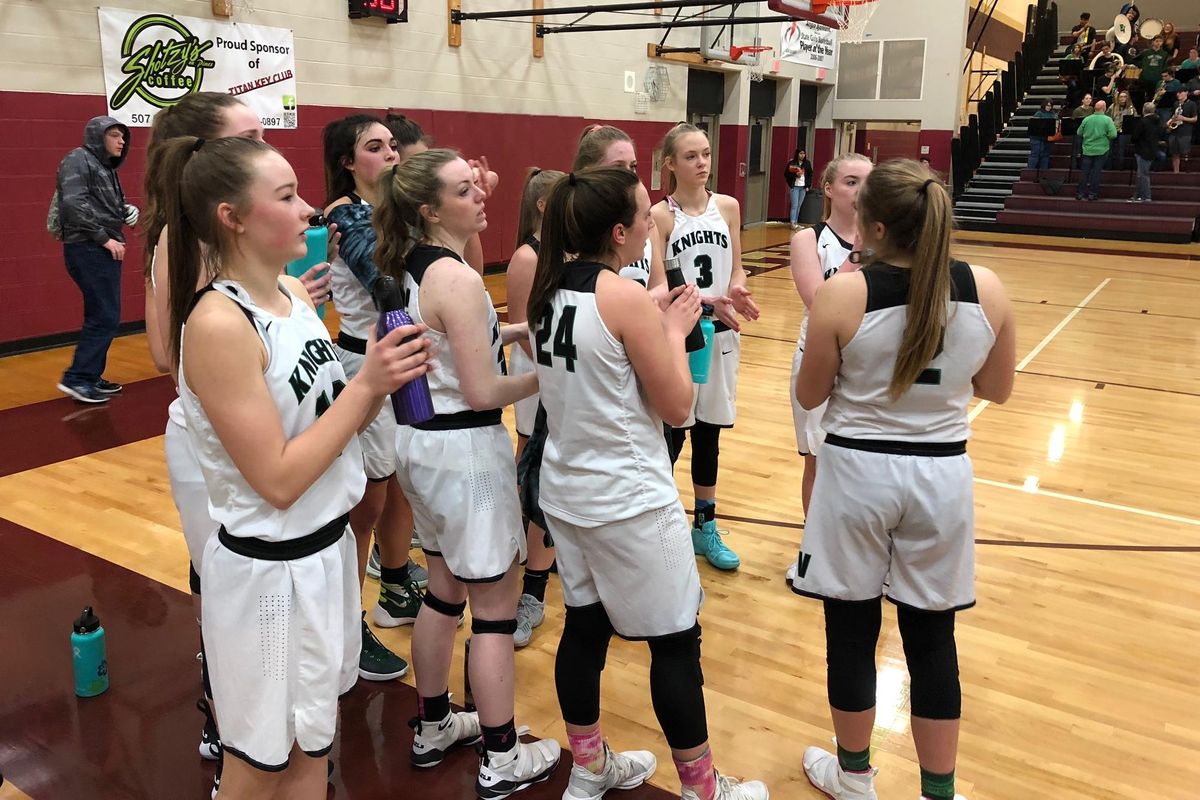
[586, 748]
[699, 776]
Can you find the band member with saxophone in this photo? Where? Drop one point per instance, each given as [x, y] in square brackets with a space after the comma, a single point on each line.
[1179, 128]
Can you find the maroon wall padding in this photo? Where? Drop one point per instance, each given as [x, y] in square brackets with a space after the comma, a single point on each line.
[735, 147]
[39, 299]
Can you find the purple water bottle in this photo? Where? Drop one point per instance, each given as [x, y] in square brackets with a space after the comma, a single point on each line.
[412, 402]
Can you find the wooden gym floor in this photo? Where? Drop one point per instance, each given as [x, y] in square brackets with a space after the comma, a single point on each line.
[1078, 664]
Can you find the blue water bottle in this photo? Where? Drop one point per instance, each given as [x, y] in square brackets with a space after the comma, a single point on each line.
[91, 661]
[317, 239]
[698, 360]
[412, 402]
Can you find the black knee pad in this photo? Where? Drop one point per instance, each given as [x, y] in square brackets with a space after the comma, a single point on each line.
[503, 627]
[675, 438]
[582, 652]
[706, 449]
[193, 578]
[851, 633]
[932, 657]
[435, 603]
[676, 682]
[204, 680]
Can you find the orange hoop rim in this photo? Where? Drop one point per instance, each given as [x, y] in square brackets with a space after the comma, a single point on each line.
[821, 8]
[736, 51]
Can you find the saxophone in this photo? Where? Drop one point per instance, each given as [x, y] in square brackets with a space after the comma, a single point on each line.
[1176, 120]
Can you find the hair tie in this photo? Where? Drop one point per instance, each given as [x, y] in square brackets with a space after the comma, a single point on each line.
[196, 147]
[571, 178]
[535, 171]
[926, 184]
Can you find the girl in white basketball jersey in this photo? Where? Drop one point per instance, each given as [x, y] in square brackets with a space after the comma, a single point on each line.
[703, 230]
[817, 254]
[458, 471]
[897, 349]
[609, 146]
[212, 115]
[609, 364]
[358, 149]
[273, 422]
[531, 607]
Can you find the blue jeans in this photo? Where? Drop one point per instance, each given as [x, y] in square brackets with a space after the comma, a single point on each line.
[797, 193]
[1039, 153]
[1089, 182]
[1142, 187]
[98, 277]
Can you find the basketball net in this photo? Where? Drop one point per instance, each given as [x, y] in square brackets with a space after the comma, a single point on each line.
[757, 61]
[851, 16]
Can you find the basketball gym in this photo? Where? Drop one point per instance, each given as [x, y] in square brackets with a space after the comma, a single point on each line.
[1077, 663]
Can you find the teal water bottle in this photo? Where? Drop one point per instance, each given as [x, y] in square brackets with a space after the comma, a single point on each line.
[91, 661]
[698, 360]
[317, 239]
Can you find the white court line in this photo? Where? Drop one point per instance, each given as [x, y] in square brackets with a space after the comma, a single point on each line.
[1090, 502]
[1049, 337]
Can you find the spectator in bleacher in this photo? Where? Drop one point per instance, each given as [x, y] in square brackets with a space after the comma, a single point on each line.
[1039, 148]
[1120, 111]
[1075, 54]
[1084, 33]
[1097, 132]
[1153, 62]
[1145, 151]
[1170, 41]
[1192, 61]
[1085, 109]
[1179, 129]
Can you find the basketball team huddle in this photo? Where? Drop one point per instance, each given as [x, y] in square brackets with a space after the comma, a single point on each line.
[285, 454]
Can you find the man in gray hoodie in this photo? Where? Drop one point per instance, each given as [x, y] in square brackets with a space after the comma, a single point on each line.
[93, 212]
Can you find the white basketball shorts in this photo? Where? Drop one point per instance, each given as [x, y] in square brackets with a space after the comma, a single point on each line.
[378, 440]
[809, 434]
[642, 570]
[462, 485]
[282, 640]
[899, 526]
[189, 492]
[715, 402]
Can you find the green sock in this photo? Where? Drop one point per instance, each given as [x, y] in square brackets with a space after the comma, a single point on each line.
[854, 762]
[937, 787]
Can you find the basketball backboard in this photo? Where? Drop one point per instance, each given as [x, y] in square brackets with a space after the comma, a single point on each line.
[723, 40]
[824, 14]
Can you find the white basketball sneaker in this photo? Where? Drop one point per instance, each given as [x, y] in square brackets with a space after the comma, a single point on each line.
[431, 740]
[502, 774]
[627, 770]
[825, 773]
[733, 789]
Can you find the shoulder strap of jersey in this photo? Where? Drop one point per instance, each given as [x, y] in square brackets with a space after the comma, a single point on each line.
[424, 255]
[354, 198]
[962, 283]
[581, 276]
[229, 292]
[533, 243]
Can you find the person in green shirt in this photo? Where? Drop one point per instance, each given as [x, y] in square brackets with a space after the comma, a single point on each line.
[1153, 62]
[1097, 132]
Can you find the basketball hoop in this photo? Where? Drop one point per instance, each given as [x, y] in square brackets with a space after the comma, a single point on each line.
[851, 16]
[755, 62]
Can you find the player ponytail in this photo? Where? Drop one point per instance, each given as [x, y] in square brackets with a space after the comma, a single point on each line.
[830, 175]
[199, 176]
[914, 208]
[200, 114]
[538, 183]
[594, 142]
[581, 212]
[403, 190]
[670, 146]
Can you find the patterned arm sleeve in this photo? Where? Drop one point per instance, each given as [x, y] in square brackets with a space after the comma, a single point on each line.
[357, 247]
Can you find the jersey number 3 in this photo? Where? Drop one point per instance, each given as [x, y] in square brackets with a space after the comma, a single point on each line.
[704, 278]
[564, 338]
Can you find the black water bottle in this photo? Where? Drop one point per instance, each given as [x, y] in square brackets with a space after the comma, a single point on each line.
[675, 279]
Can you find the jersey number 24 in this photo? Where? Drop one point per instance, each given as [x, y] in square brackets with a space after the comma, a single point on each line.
[564, 338]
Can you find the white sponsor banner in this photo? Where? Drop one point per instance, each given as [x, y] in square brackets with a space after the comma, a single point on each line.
[806, 42]
[153, 60]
